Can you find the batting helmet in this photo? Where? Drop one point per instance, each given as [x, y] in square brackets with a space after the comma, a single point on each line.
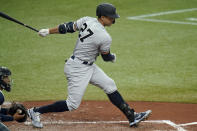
[106, 9]
[5, 72]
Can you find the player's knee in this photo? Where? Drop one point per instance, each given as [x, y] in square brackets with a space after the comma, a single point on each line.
[72, 105]
[110, 86]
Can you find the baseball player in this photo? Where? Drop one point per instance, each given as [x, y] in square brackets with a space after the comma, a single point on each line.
[93, 40]
[5, 84]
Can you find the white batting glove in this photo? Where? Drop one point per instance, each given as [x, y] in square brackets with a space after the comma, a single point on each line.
[114, 60]
[43, 32]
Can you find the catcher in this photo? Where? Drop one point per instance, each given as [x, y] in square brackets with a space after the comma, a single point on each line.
[17, 112]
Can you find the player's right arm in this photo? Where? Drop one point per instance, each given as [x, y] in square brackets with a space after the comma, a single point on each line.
[105, 49]
[107, 56]
[69, 27]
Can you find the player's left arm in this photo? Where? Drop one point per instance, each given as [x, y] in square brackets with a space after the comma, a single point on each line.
[4, 115]
[64, 28]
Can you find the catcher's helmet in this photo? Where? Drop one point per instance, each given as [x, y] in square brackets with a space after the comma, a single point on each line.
[4, 72]
[106, 9]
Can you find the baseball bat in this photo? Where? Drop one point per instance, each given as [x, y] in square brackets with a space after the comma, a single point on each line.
[16, 21]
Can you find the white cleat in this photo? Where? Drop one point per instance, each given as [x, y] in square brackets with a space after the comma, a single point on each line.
[35, 117]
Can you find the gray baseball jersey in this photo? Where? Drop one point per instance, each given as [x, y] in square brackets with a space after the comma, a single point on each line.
[92, 39]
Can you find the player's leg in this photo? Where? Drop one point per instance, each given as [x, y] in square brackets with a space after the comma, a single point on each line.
[34, 113]
[78, 76]
[100, 79]
[62, 106]
[133, 117]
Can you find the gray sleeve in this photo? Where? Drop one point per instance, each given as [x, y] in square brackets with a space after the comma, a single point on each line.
[105, 45]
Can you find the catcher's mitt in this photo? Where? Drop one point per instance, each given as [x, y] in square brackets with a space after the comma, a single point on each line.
[20, 109]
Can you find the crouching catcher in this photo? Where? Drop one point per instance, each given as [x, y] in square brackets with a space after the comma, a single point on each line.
[16, 112]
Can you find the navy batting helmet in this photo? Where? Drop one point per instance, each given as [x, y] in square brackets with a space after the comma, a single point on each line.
[4, 72]
[106, 9]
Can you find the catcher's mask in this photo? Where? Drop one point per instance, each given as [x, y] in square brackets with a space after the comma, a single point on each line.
[106, 9]
[5, 73]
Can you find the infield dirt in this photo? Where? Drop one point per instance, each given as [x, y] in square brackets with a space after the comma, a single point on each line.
[90, 111]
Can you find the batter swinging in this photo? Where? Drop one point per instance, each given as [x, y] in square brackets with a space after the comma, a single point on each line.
[80, 68]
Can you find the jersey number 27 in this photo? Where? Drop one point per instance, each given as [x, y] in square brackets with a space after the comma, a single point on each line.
[84, 28]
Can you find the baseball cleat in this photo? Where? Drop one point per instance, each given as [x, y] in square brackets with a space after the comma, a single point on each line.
[140, 117]
[35, 117]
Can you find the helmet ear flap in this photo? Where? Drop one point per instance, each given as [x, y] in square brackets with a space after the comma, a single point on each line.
[114, 21]
[6, 86]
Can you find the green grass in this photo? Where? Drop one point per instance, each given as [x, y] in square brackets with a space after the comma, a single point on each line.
[155, 61]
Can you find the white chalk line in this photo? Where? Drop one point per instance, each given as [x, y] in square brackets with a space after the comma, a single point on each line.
[188, 124]
[191, 19]
[143, 17]
[166, 21]
[179, 127]
[164, 13]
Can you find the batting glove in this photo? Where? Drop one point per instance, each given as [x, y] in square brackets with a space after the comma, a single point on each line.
[114, 60]
[43, 32]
